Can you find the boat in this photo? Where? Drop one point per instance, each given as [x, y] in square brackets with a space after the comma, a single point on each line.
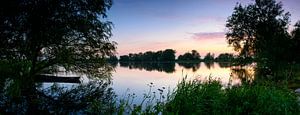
[55, 78]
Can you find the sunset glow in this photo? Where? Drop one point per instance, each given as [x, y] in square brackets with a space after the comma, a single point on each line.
[182, 25]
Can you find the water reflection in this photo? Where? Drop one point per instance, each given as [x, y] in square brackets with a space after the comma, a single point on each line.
[245, 74]
[19, 95]
[209, 64]
[25, 97]
[225, 64]
[193, 66]
[128, 80]
[24, 94]
[168, 67]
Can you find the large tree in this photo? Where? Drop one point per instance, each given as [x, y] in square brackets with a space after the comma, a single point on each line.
[259, 30]
[43, 33]
[296, 40]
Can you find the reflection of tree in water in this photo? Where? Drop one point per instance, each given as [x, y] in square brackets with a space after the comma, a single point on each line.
[187, 65]
[168, 67]
[246, 74]
[113, 64]
[224, 64]
[20, 97]
[21, 94]
[209, 64]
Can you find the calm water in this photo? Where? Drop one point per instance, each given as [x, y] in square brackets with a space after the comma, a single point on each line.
[136, 77]
[127, 78]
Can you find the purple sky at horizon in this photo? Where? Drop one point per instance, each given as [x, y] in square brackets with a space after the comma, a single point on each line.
[182, 25]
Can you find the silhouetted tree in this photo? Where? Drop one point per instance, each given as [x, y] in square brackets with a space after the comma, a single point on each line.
[166, 55]
[208, 57]
[37, 35]
[112, 58]
[259, 30]
[225, 57]
[296, 40]
[124, 58]
[194, 56]
[55, 32]
[113, 61]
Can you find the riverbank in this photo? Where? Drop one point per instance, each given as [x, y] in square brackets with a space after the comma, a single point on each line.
[194, 97]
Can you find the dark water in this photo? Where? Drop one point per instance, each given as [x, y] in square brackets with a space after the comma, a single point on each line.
[127, 78]
[137, 78]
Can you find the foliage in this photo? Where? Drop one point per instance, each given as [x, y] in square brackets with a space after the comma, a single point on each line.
[209, 57]
[296, 41]
[193, 97]
[225, 57]
[166, 55]
[55, 32]
[260, 30]
[193, 56]
[260, 99]
[95, 97]
[112, 59]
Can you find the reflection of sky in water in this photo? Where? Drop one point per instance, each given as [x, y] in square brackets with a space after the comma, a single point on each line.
[128, 81]
[136, 80]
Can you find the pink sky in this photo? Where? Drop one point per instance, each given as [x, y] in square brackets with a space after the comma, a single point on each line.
[182, 25]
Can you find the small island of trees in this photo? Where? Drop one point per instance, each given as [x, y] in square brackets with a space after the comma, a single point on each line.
[168, 55]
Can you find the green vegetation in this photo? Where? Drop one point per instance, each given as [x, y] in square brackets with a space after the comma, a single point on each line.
[194, 56]
[225, 57]
[260, 30]
[40, 36]
[209, 57]
[195, 97]
[166, 55]
[47, 33]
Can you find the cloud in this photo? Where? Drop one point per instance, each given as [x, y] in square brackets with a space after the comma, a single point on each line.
[208, 35]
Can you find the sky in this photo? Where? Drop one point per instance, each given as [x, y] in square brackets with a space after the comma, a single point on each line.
[182, 25]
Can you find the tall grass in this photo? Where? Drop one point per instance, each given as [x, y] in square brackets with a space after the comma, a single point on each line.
[194, 97]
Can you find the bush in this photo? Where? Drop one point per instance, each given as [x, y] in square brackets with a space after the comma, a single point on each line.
[193, 97]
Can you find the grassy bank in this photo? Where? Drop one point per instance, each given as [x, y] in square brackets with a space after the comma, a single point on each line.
[193, 97]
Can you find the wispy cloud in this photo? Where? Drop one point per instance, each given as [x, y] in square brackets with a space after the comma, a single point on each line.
[208, 35]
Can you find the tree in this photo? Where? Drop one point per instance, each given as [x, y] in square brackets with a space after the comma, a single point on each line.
[168, 55]
[55, 32]
[124, 58]
[296, 40]
[259, 30]
[194, 56]
[208, 57]
[225, 57]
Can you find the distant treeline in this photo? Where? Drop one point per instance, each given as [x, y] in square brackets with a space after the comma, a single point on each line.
[168, 55]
